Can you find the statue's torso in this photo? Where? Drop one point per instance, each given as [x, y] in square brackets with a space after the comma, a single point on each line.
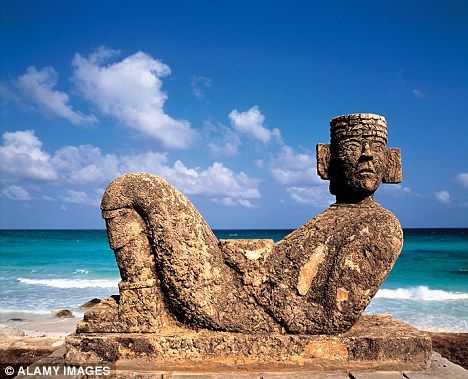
[321, 277]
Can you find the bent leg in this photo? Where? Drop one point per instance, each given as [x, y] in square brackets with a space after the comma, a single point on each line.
[197, 285]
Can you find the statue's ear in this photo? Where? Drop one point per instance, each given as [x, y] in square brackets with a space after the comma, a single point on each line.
[323, 160]
[393, 172]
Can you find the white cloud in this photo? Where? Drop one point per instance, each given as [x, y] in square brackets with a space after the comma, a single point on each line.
[21, 156]
[226, 141]
[225, 201]
[216, 180]
[245, 203]
[251, 123]
[316, 196]
[294, 168]
[229, 202]
[16, 193]
[443, 197]
[7, 95]
[396, 190]
[37, 87]
[229, 148]
[148, 162]
[85, 164]
[81, 197]
[297, 171]
[462, 178]
[131, 91]
[419, 94]
[199, 84]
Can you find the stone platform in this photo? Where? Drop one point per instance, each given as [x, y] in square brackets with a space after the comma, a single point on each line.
[376, 342]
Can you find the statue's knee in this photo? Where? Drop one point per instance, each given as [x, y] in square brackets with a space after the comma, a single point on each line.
[128, 238]
[123, 225]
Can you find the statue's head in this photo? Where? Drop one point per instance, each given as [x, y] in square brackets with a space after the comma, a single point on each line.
[357, 160]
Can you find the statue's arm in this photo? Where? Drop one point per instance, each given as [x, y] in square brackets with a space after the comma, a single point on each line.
[361, 266]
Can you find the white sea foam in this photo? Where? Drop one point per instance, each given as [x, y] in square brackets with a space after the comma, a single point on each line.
[71, 283]
[420, 293]
[80, 271]
[32, 311]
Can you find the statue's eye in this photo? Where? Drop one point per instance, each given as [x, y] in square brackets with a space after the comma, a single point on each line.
[378, 148]
[352, 146]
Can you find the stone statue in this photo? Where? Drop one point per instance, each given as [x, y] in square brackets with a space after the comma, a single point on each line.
[317, 280]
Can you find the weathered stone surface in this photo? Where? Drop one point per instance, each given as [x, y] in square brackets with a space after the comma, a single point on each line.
[453, 346]
[176, 275]
[375, 341]
[64, 313]
[319, 285]
[319, 279]
[439, 367]
[162, 242]
[90, 303]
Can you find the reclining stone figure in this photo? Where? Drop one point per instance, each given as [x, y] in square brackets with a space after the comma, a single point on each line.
[317, 280]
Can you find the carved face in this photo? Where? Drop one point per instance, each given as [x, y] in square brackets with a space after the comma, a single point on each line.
[358, 164]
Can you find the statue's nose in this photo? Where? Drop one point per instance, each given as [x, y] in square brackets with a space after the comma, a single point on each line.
[366, 150]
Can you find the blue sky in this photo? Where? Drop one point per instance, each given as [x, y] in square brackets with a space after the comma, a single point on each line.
[227, 100]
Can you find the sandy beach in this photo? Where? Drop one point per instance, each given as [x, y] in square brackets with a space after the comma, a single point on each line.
[23, 343]
[54, 328]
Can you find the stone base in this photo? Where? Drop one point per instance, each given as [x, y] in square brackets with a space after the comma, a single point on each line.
[376, 342]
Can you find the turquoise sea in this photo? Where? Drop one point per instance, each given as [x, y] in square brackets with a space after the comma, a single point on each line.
[42, 271]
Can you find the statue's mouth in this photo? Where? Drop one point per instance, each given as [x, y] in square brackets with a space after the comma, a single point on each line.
[366, 170]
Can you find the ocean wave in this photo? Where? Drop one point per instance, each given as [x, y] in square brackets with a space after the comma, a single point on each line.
[71, 283]
[420, 293]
